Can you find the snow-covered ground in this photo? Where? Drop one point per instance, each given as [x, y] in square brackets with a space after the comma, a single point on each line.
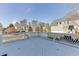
[20, 36]
[37, 46]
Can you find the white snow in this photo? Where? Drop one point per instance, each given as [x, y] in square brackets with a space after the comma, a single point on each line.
[37, 46]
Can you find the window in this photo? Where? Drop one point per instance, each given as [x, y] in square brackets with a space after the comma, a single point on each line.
[71, 27]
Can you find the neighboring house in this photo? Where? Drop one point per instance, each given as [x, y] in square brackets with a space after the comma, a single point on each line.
[40, 26]
[21, 26]
[17, 27]
[9, 29]
[67, 24]
[57, 27]
[34, 25]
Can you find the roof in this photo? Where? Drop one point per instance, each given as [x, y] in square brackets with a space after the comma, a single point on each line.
[70, 16]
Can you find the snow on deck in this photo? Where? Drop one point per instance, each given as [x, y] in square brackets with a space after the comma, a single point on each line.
[37, 46]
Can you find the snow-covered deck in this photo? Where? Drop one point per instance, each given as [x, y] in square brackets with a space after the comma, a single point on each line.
[37, 46]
